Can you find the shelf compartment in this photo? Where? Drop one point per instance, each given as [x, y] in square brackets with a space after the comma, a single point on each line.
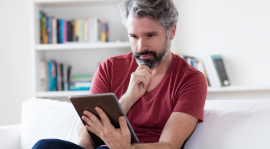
[81, 46]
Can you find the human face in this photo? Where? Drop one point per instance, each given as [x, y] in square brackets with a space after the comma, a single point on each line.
[148, 40]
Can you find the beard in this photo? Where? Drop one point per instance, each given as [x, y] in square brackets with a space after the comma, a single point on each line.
[157, 57]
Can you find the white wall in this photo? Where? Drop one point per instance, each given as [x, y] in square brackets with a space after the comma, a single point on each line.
[239, 30]
[15, 59]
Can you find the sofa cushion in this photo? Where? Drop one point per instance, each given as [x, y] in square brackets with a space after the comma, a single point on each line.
[45, 118]
[232, 130]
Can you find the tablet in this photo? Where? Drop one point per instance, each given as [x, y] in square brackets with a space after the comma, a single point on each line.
[109, 103]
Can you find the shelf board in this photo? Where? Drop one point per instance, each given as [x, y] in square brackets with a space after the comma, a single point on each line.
[210, 90]
[81, 46]
[237, 88]
[60, 93]
[70, 2]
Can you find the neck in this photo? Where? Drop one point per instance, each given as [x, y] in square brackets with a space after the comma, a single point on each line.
[163, 66]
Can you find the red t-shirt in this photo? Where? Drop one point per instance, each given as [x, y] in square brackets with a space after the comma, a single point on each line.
[182, 89]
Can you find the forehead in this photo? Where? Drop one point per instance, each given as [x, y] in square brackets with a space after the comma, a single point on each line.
[143, 25]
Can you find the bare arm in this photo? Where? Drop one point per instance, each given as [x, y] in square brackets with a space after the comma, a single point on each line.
[177, 129]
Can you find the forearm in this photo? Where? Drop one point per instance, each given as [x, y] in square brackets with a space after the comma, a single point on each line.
[126, 103]
[159, 145]
[84, 138]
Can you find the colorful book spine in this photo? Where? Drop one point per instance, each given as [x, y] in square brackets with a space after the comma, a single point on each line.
[76, 30]
[61, 30]
[52, 76]
[53, 30]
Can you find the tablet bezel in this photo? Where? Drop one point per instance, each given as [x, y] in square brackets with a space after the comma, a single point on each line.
[110, 105]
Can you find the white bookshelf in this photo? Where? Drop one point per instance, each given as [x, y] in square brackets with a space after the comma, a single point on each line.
[83, 57]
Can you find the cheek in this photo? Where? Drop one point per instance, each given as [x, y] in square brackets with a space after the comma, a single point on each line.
[133, 45]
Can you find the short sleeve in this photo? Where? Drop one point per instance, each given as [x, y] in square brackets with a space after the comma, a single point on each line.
[101, 82]
[192, 95]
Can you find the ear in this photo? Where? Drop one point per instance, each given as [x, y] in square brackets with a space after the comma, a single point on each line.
[173, 32]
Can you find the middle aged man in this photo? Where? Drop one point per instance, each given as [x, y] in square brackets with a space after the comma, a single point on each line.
[162, 95]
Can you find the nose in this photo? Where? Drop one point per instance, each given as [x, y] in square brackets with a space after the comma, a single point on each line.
[142, 45]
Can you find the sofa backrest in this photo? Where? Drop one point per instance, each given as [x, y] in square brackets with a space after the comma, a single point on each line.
[45, 118]
[228, 124]
[233, 124]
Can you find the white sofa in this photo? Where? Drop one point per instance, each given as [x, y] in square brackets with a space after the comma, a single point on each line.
[228, 124]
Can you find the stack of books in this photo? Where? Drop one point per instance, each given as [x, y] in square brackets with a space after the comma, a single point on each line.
[57, 30]
[213, 69]
[80, 82]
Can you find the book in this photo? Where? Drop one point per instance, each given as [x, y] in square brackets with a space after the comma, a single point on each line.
[69, 31]
[76, 28]
[213, 71]
[59, 77]
[209, 73]
[86, 30]
[43, 28]
[65, 31]
[221, 71]
[61, 30]
[200, 67]
[66, 76]
[43, 80]
[51, 76]
[80, 29]
[47, 29]
[58, 30]
[54, 30]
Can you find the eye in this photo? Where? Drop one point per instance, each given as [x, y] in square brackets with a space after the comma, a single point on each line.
[133, 36]
[151, 35]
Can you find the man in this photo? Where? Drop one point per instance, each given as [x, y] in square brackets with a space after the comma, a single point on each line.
[161, 94]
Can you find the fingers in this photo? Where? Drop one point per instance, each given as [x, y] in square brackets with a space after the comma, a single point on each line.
[123, 126]
[141, 76]
[141, 80]
[141, 66]
[104, 118]
[92, 121]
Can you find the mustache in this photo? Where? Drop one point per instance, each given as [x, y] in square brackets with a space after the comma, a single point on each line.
[137, 54]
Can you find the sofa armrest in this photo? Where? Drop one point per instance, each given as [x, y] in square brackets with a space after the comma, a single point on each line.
[10, 136]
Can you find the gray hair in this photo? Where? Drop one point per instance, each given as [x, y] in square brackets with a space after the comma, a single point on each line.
[163, 11]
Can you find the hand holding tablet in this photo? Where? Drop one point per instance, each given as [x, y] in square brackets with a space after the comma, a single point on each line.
[109, 109]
